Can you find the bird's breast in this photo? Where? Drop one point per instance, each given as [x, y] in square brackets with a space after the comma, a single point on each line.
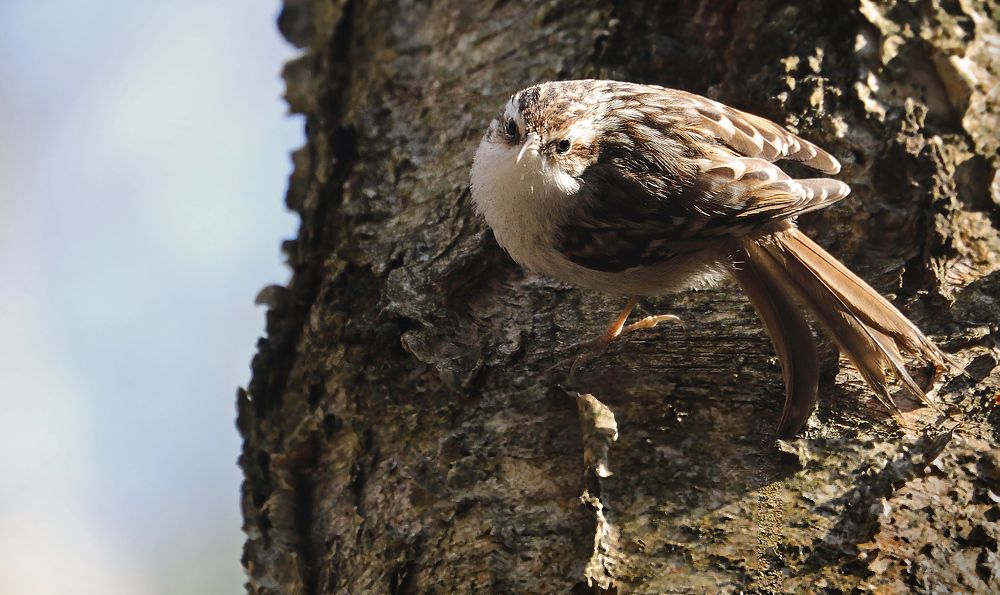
[518, 201]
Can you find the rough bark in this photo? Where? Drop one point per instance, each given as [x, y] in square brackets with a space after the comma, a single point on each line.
[409, 429]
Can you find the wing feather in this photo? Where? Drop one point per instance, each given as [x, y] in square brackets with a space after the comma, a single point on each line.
[676, 168]
[754, 136]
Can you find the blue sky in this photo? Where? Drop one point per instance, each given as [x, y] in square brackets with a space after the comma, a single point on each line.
[144, 153]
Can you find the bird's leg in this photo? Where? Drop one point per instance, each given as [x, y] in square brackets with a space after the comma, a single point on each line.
[599, 345]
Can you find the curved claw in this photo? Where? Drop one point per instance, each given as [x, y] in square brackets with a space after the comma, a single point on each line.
[597, 346]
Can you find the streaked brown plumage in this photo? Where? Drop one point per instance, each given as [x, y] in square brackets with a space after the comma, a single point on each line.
[641, 190]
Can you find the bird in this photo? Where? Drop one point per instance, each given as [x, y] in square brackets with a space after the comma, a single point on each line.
[641, 190]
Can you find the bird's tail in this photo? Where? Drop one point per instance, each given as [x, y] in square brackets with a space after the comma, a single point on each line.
[787, 268]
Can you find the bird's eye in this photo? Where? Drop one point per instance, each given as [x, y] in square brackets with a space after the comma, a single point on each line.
[511, 129]
[563, 146]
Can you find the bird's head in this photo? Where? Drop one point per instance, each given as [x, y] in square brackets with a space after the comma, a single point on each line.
[544, 138]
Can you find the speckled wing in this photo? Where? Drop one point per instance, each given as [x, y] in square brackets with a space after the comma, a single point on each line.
[739, 194]
[679, 169]
[753, 136]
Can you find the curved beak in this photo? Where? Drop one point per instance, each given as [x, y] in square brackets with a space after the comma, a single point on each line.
[532, 142]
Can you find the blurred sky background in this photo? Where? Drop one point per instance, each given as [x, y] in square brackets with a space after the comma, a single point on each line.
[144, 150]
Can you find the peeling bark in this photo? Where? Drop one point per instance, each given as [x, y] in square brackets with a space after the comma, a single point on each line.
[409, 427]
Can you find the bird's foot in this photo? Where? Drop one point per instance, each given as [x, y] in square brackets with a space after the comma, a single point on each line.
[597, 346]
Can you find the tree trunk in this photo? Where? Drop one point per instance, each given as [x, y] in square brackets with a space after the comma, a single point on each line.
[409, 427]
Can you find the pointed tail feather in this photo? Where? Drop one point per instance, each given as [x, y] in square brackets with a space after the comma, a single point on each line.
[793, 340]
[864, 325]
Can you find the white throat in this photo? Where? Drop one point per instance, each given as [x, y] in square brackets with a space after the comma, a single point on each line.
[524, 202]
